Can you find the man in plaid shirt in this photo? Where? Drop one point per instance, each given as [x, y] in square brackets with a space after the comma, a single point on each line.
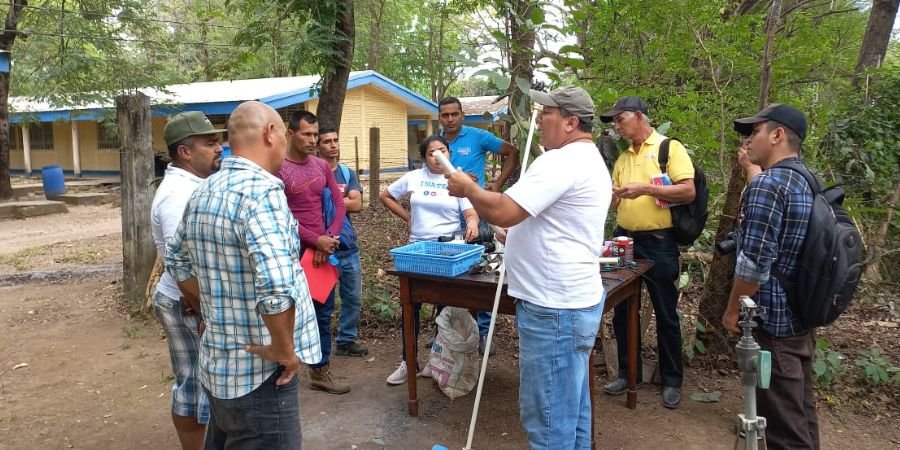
[774, 218]
[237, 250]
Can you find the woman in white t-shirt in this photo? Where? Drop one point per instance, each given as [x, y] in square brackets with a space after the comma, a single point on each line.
[434, 213]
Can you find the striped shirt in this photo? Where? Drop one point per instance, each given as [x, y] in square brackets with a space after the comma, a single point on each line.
[239, 239]
[774, 218]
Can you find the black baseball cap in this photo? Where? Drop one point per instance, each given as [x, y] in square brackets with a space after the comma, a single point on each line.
[630, 103]
[786, 115]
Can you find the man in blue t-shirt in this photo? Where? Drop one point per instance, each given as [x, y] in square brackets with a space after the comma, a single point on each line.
[468, 148]
[349, 266]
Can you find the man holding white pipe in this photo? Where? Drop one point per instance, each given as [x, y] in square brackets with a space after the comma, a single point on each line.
[556, 214]
[468, 148]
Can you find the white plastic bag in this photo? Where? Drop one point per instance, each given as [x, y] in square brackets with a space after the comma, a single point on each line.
[454, 354]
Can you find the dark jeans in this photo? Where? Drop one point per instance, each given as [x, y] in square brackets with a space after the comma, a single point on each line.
[659, 247]
[267, 417]
[789, 404]
[324, 311]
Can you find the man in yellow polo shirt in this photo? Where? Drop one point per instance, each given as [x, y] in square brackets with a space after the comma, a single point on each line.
[639, 216]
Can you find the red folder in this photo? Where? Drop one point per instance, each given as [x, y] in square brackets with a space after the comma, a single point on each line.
[321, 280]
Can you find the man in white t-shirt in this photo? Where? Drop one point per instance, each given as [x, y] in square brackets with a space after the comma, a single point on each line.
[195, 151]
[556, 213]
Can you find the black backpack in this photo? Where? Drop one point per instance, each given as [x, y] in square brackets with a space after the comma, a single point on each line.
[689, 219]
[829, 265]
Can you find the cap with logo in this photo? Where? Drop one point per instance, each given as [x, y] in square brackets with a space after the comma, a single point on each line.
[630, 103]
[786, 115]
[573, 99]
[187, 124]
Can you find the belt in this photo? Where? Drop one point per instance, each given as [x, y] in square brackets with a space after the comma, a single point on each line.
[643, 233]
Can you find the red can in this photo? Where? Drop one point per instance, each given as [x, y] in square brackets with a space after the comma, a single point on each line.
[624, 248]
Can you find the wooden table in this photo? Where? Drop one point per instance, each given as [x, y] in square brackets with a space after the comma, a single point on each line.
[476, 292]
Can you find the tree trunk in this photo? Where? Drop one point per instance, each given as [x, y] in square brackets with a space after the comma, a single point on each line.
[376, 12]
[521, 61]
[877, 244]
[204, 52]
[7, 39]
[878, 35]
[721, 271]
[334, 85]
[766, 71]
[439, 90]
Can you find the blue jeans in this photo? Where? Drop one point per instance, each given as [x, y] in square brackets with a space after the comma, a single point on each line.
[324, 311]
[267, 417]
[350, 290]
[660, 247]
[484, 322]
[554, 387]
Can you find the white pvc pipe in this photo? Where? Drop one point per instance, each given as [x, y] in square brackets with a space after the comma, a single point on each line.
[484, 361]
[444, 162]
[527, 151]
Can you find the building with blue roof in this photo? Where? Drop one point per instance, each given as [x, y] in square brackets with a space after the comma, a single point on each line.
[78, 139]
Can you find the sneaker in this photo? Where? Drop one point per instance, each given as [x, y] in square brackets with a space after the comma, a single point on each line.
[351, 349]
[321, 379]
[399, 376]
[671, 397]
[617, 387]
[426, 372]
[482, 343]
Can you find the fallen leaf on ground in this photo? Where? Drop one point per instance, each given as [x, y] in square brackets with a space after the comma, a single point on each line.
[706, 397]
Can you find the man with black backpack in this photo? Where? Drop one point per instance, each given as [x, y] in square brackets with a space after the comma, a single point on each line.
[774, 222]
[644, 212]
[349, 266]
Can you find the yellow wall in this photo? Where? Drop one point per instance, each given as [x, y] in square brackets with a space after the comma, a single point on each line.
[159, 143]
[364, 108]
[93, 158]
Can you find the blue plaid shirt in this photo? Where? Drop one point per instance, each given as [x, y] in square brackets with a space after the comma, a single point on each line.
[239, 238]
[774, 218]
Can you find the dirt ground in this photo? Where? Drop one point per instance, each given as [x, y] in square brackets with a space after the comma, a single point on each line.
[77, 371]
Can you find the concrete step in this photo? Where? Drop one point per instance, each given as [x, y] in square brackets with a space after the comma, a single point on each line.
[23, 190]
[87, 198]
[23, 210]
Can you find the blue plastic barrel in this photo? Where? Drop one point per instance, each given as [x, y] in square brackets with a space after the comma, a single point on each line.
[54, 182]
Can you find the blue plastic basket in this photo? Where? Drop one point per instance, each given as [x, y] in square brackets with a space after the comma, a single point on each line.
[436, 258]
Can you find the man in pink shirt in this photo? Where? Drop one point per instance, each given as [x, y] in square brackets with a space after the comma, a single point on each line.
[305, 178]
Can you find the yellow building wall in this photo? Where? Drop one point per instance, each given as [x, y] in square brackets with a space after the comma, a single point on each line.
[159, 143]
[367, 107]
[93, 158]
[60, 154]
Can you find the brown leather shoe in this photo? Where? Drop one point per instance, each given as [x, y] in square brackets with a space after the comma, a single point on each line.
[321, 379]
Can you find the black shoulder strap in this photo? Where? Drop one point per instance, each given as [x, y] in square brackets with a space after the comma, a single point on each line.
[794, 164]
[664, 155]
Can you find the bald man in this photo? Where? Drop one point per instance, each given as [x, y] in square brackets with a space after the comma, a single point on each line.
[238, 236]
